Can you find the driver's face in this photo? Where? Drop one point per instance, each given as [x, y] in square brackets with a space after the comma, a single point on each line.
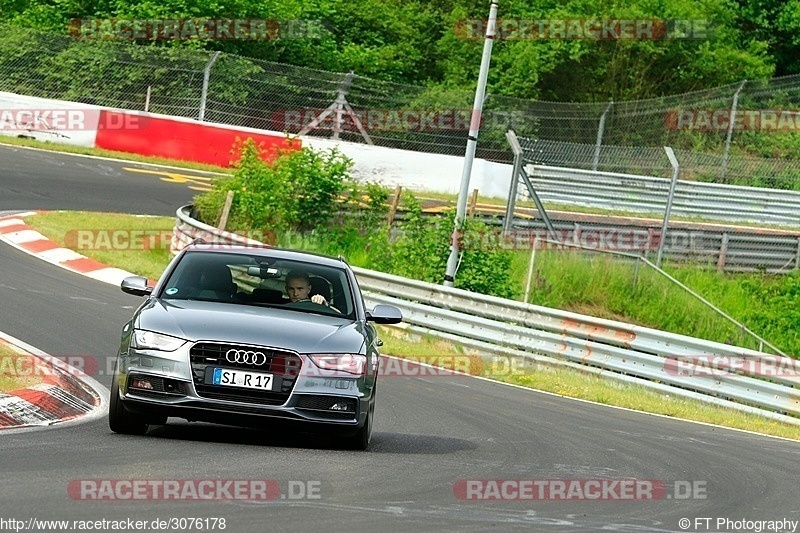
[297, 289]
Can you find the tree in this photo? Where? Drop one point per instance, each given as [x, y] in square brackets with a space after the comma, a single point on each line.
[776, 22]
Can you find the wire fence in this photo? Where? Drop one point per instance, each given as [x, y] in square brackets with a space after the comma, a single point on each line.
[710, 130]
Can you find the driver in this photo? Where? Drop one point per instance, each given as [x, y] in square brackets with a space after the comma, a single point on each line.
[298, 287]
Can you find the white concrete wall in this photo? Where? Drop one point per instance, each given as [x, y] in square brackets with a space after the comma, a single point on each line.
[419, 170]
[391, 167]
[58, 122]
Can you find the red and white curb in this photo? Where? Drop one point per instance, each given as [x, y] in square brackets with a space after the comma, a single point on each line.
[14, 231]
[63, 394]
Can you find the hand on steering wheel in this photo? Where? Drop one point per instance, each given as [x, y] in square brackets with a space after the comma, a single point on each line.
[319, 299]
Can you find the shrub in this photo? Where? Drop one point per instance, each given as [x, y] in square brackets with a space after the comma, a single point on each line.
[422, 246]
[307, 198]
[297, 191]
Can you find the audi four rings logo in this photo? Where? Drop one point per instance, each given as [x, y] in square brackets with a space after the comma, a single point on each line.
[246, 357]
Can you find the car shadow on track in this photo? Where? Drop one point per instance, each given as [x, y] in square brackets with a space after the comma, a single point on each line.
[406, 444]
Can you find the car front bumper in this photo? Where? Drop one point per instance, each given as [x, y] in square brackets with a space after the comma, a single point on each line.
[312, 398]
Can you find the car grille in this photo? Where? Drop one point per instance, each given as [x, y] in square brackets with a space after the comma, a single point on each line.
[283, 365]
[144, 393]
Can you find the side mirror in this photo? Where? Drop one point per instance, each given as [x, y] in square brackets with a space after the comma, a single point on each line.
[136, 285]
[385, 314]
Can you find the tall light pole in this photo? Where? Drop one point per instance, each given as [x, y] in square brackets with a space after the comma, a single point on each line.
[472, 141]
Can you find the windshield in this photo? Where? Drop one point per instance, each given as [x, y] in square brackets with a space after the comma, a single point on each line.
[259, 280]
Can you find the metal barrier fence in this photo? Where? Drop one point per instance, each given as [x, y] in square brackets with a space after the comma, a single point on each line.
[237, 90]
[677, 364]
[725, 235]
[644, 194]
[728, 375]
[728, 249]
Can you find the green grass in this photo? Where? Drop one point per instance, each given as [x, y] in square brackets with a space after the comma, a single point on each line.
[576, 384]
[13, 370]
[100, 235]
[564, 382]
[601, 286]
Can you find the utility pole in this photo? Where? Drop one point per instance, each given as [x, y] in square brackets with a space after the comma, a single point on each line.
[472, 141]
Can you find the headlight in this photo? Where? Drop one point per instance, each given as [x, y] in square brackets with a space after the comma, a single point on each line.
[155, 341]
[350, 363]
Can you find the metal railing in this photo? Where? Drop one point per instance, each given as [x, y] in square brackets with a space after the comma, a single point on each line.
[616, 350]
[715, 238]
[644, 194]
[646, 356]
[745, 331]
[649, 357]
[725, 248]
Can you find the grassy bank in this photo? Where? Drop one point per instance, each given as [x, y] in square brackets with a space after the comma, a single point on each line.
[15, 370]
[558, 381]
[601, 286]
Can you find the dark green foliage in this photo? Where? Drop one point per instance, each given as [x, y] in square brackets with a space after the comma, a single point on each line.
[422, 246]
[413, 41]
[296, 192]
[307, 199]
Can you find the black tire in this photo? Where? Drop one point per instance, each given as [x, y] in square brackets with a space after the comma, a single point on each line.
[362, 438]
[120, 420]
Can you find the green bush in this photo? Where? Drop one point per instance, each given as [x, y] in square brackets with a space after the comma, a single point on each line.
[297, 191]
[307, 199]
[359, 230]
[422, 246]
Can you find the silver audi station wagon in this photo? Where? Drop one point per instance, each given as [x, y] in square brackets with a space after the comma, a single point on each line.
[250, 336]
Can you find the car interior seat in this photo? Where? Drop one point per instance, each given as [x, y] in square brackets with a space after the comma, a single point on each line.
[216, 283]
[320, 286]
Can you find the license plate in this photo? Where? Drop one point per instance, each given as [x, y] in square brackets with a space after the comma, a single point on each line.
[229, 377]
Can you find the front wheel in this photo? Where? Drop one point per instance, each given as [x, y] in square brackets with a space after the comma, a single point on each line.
[120, 420]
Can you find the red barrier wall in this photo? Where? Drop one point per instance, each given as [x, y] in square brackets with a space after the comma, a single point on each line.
[179, 139]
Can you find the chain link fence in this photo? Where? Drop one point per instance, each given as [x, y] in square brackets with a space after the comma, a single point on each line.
[615, 136]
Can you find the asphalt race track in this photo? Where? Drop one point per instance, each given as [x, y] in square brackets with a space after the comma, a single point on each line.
[36, 179]
[432, 433]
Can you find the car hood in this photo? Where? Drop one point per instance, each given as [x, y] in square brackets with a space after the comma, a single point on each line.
[243, 324]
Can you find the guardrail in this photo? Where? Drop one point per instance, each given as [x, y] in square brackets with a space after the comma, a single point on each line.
[727, 249]
[623, 351]
[649, 357]
[644, 194]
